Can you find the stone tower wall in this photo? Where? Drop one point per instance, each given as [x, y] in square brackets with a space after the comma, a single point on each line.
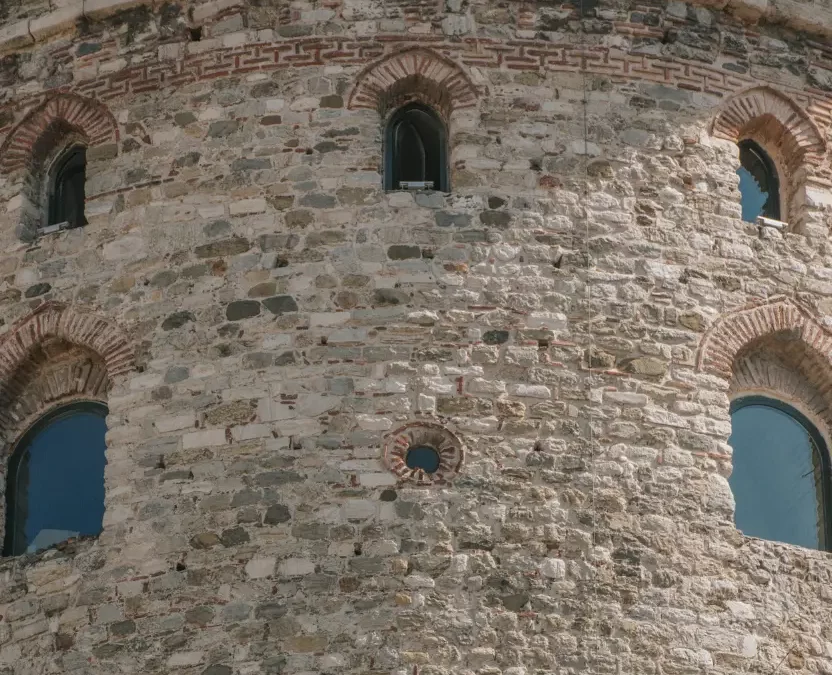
[261, 318]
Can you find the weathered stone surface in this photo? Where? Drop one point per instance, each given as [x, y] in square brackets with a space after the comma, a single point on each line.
[204, 540]
[403, 252]
[646, 365]
[242, 309]
[390, 296]
[177, 320]
[276, 514]
[280, 304]
[580, 309]
[222, 128]
[231, 246]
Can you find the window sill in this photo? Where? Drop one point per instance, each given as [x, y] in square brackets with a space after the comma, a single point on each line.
[763, 222]
[419, 191]
[64, 549]
[51, 229]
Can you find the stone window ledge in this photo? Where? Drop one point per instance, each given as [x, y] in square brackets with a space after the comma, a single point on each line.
[64, 550]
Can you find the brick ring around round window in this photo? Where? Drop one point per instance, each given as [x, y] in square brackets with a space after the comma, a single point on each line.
[423, 452]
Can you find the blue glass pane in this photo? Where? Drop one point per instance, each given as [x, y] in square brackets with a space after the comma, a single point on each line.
[59, 482]
[776, 478]
[422, 457]
[752, 198]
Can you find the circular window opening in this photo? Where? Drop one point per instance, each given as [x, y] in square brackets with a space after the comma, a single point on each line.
[422, 457]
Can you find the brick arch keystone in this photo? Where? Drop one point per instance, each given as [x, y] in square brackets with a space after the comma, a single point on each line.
[413, 73]
[56, 320]
[749, 114]
[731, 334]
[84, 116]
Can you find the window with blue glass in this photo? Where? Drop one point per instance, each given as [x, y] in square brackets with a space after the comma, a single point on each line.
[780, 477]
[55, 488]
[759, 184]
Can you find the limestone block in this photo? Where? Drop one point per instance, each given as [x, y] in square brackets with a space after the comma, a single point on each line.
[15, 36]
[56, 21]
[100, 9]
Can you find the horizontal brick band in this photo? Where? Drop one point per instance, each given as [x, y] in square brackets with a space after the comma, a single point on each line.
[522, 55]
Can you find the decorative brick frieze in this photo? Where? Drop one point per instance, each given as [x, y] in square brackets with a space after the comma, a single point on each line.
[414, 73]
[57, 116]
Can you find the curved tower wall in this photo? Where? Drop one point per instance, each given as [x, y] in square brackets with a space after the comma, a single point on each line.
[574, 316]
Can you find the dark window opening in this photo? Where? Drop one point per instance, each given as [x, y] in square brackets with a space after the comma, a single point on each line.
[759, 185]
[66, 189]
[780, 477]
[416, 149]
[195, 33]
[55, 484]
[423, 457]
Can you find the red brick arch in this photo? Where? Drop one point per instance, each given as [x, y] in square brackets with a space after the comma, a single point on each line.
[413, 73]
[85, 116]
[767, 115]
[731, 334]
[56, 320]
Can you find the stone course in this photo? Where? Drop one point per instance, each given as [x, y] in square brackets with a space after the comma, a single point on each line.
[262, 319]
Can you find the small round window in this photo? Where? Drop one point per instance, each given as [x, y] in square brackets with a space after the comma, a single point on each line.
[423, 457]
[423, 452]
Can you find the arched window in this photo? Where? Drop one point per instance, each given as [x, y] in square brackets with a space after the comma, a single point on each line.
[780, 477]
[55, 483]
[416, 150]
[759, 184]
[66, 188]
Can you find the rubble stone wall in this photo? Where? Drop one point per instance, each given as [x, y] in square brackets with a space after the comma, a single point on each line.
[576, 314]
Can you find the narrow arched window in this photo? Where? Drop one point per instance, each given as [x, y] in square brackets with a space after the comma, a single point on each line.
[66, 188]
[780, 477]
[416, 155]
[55, 483]
[759, 184]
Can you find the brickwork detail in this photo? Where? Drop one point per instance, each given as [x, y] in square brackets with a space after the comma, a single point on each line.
[770, 117]
[733, 334]
[450, 449]
[59, 115]
[55, 373]
[413, 74]
[55, 320]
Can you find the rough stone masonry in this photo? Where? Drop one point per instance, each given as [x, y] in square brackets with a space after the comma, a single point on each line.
[266, 324]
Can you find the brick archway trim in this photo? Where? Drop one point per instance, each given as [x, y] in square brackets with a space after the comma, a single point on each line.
[413, 73]
[56, 320]
[799, 136]
[732, 333]
[85, 116]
